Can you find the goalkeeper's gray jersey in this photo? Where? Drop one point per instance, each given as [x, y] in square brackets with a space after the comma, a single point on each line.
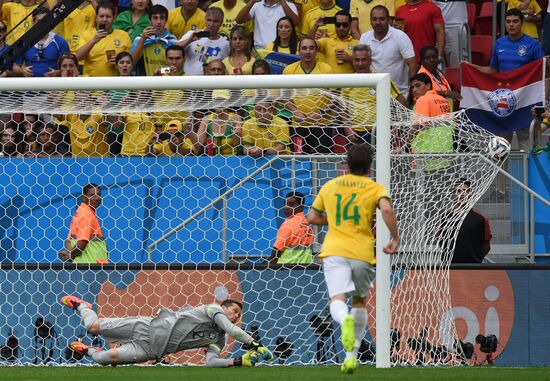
[203, 326]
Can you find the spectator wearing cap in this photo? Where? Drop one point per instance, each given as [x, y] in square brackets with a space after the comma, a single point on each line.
[149, 49]
[173, 141]
[265, 133]
[219, 132]
[98, 48]
[41, 59]
[201, 50]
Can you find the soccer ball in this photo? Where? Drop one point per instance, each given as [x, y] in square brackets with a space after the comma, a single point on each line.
[498, 148]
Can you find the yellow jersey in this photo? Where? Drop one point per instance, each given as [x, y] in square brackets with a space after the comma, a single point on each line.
[78, 21]
[266, 136]
[13, 14]
[309, 18]
[350, 202]
[282, 49]
[313, 102]
[328, 47]
[138, 131]
[88, 136]
[529, 27]
[163, 147]
[304, 6]
[96, 63]
[245, 69]
[362, 105]
[360, 9]
[179, 25]
[229, 16]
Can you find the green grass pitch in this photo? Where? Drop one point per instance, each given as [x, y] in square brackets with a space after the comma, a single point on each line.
[300, 373]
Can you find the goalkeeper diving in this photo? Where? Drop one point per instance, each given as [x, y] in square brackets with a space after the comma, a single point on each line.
[143, 338]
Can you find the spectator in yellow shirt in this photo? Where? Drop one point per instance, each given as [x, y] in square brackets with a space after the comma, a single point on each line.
[312, 109]
[14, 13]
[531, 15]
[265, 133]
[326, 8]
[231, 9]
[185, 18]
[337, 50]
[287, 38]
[99, 48]
[77, 22]
[239, 60]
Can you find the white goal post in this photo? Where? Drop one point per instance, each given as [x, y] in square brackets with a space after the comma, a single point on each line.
[406, 175]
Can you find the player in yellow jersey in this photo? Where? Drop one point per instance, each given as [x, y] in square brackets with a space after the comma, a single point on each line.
[348, 204]
[98, 48]
[13, 13]
[185, 18]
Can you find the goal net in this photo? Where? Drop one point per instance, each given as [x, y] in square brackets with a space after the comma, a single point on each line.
[193, 194]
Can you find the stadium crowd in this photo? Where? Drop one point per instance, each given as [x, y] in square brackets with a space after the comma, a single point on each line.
[232, 37]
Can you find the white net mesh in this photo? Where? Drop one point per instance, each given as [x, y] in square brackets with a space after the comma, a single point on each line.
[190, 212]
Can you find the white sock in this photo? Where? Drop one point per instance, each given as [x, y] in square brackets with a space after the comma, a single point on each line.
[88, 315]
[338, 311]
[360, 315]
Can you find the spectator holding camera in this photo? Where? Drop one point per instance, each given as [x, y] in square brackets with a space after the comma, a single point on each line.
[338, 49]
[203, 46]
[322, 19]
[98, 48]
[149, 49]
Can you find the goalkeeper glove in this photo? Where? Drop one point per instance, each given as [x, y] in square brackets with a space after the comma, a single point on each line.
[250, 358]
[263, 351]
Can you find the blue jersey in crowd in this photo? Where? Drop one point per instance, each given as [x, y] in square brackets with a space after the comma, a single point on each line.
[4, 49]
[43, 57]
[509, 55]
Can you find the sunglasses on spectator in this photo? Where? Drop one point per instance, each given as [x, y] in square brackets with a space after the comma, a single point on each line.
[341, 24]
[40, 51]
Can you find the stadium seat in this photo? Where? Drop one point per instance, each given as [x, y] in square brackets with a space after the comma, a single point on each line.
[453, 76]
[486, 9]
[482, 49]
[484, 21]
[471, 8]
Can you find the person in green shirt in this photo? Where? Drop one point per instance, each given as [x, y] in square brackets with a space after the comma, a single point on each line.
[135, 20]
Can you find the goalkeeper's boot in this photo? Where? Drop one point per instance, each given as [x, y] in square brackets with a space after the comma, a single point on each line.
[82, 349]
[349, 365]
[348, 333]
[73, 302]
